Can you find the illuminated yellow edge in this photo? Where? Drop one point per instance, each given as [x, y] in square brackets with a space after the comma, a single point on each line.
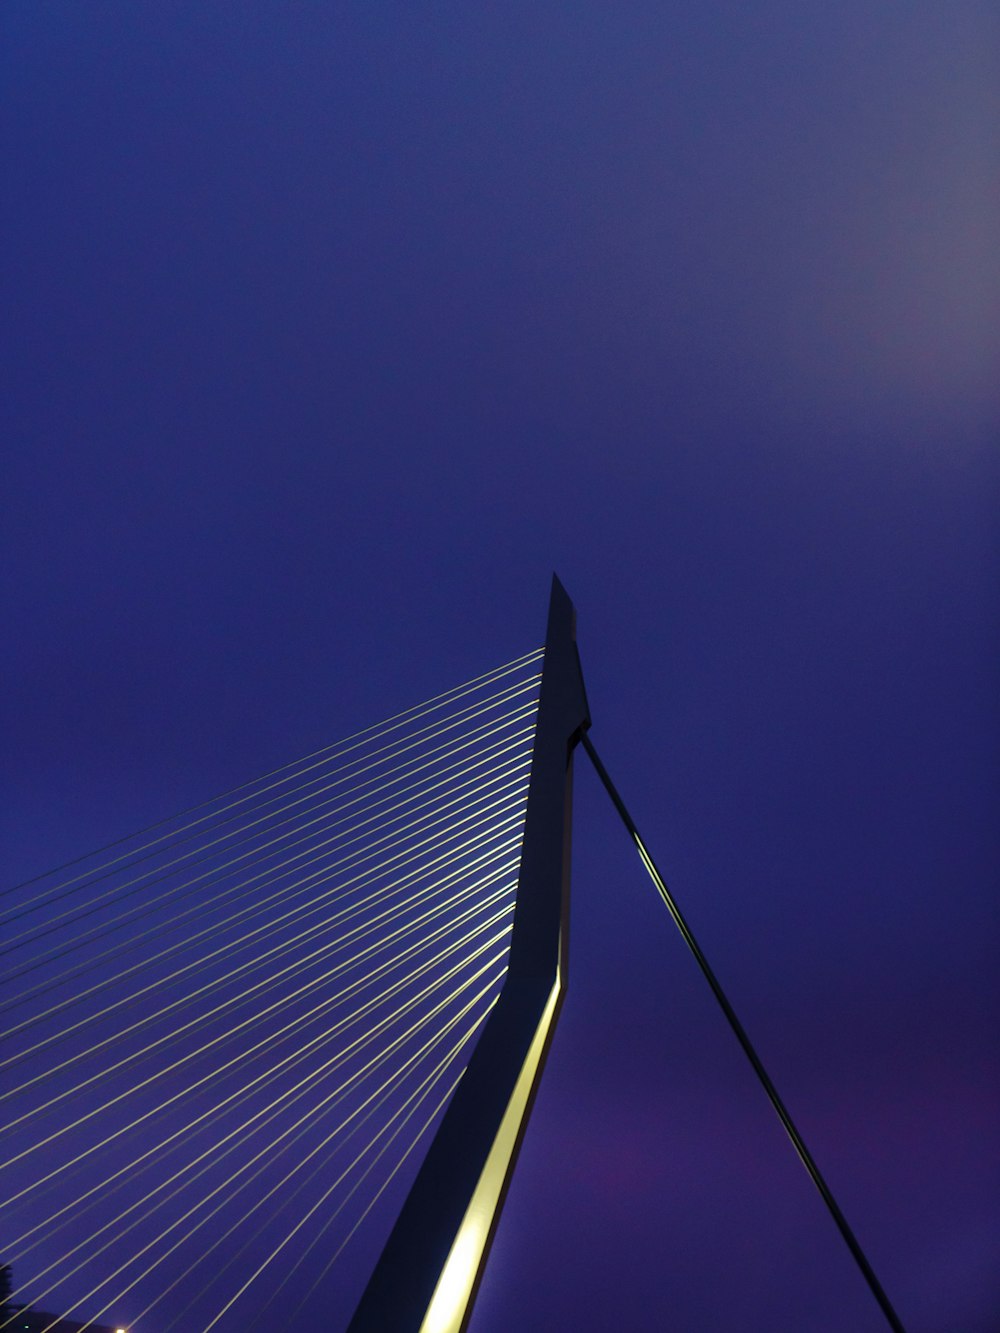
[454, 1287]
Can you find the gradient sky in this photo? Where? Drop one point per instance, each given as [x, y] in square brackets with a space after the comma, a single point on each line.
[331, 330]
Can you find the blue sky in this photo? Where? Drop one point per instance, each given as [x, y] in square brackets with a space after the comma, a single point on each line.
[330, 331]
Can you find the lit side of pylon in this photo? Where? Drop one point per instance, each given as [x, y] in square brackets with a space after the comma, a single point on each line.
[429, 1271]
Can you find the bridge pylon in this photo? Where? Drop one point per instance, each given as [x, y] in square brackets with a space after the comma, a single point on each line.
[429, 1271]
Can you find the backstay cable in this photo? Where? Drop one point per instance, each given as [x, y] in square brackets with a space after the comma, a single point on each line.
[741, 1036]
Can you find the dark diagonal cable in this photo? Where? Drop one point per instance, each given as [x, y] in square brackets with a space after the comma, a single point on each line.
[797, 1141]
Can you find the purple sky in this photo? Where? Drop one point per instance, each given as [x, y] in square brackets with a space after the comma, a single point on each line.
[329, 331]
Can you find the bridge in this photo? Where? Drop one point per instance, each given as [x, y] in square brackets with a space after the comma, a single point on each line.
[268, 1064]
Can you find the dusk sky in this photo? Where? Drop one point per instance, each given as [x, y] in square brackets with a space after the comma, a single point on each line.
[330, 331]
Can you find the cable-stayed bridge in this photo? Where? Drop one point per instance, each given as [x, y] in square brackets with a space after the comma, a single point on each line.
[267, 1064]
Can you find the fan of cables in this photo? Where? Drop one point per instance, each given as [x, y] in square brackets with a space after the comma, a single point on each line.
[227, 1040]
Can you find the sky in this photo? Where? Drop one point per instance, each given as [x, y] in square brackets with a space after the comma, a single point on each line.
[331, 331]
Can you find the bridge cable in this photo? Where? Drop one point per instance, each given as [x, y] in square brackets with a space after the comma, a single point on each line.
[312, 945]
[291, 1095]
[797, 1141]
[416, 738]
[336, 1095]
[417, 710]
[191, 886]
[417, 1100]
[516, 786]
[391, 941]
[102, 1074]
